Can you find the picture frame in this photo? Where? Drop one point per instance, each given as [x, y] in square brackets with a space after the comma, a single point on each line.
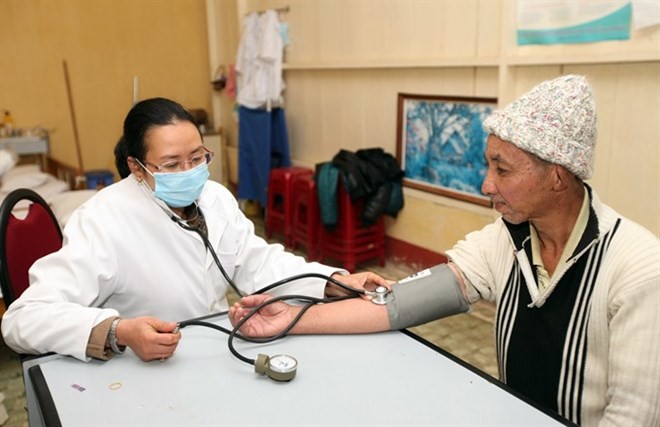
[441, 144]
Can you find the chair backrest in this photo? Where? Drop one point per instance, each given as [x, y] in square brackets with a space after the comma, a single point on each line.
[23, 241]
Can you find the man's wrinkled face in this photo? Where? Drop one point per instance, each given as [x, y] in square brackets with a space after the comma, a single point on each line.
[518, 183]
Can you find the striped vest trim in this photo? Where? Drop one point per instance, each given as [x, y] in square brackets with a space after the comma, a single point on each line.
[570, 379]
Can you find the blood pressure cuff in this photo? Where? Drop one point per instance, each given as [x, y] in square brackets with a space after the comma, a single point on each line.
[427, 295]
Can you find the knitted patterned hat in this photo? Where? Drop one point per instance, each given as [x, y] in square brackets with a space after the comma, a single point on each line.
[555, 121]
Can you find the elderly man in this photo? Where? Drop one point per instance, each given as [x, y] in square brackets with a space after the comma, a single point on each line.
[577, 285]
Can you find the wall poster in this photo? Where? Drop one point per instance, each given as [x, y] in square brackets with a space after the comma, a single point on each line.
[573, 21]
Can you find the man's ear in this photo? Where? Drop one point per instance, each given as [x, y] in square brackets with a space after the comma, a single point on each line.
[561, 178]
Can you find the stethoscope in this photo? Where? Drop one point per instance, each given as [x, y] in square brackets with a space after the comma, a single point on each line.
[280, 367]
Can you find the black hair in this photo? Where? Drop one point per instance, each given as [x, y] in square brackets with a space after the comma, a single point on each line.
[143, 116]
[121, 159]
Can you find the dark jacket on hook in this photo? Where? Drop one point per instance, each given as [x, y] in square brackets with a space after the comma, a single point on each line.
[371, 174]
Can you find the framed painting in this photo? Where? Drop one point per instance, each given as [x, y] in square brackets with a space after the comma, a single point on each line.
[441, 144]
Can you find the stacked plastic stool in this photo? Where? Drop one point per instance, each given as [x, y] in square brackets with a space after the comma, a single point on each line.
[306, 226]
[350, 242]
[279, 211]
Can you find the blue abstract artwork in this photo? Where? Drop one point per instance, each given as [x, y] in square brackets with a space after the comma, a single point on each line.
[443, 143]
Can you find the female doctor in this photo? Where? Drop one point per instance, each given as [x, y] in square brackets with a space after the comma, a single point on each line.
[130, 260]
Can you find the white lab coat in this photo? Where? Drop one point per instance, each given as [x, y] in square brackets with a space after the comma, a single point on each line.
[259, 61]
[124, 255]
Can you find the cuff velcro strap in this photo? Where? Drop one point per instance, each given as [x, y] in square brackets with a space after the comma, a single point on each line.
[427, 295]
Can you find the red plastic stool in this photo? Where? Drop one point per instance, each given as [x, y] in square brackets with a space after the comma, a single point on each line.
[306, 217]
[350, 242]
[280, 201]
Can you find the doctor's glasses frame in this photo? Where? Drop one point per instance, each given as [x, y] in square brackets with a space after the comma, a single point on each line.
[180, 165]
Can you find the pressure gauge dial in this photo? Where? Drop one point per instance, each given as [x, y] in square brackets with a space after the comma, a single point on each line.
[281, 367]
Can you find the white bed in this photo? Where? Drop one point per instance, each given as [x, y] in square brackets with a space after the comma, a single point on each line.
[56, 186]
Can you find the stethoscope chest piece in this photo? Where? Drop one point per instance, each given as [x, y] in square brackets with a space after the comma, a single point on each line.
[281, 367]
[381, 295]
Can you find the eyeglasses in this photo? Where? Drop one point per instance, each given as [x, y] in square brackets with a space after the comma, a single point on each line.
[180, 165]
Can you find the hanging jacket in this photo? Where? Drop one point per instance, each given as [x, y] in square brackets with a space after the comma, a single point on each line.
[371, 174]
[388, 195]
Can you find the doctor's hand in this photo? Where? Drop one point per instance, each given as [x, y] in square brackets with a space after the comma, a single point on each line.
[150, 338]
[268, 321]
[366, 280]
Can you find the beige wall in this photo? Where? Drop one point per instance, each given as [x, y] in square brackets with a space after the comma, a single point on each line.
[105, 43]
[224, 35]
[348, 61]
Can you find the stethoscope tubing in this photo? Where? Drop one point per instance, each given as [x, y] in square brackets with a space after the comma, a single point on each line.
[233, 333]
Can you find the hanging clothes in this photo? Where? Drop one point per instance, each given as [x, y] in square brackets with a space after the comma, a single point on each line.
[263, 141]
[263, 145]
[246, 57]
[259, 61]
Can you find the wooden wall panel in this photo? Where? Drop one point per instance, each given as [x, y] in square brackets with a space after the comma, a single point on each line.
[362, 30]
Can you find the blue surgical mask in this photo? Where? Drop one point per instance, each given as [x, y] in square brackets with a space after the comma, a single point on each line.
[180, 189]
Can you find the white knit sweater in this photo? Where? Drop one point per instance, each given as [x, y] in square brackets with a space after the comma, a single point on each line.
[619, 369]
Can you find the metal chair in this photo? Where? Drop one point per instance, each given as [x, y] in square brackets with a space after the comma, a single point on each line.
[23, 241]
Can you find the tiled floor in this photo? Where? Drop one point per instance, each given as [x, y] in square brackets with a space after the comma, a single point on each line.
[11, 385]
[467, 336]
